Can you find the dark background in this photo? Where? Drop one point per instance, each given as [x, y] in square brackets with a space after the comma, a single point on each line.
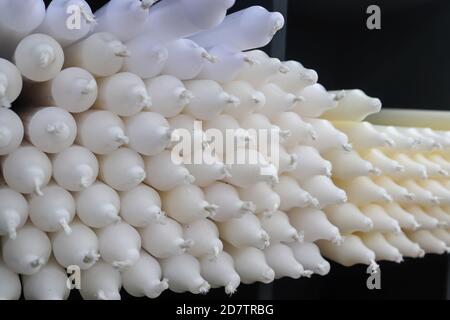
[407, 65]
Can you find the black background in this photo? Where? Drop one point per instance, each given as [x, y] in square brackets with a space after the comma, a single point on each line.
[407, 65]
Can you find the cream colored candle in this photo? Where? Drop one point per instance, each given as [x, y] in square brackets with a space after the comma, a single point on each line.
[308, 254]
[383, 250]
[348, 218]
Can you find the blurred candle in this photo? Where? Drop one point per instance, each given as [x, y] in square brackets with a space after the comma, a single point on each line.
[101, 282]
[10, 82]
[14, 211]
[11, 131]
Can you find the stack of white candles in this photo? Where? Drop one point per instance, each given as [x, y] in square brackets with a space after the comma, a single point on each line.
[89, 178]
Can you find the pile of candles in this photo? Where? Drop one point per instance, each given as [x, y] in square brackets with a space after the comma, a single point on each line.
[91, 109]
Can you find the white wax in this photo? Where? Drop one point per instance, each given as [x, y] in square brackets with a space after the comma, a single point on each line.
[50, 129]
[308, 254]
[187, 203]
[124, 94]
[279, 228]
[433, 169]
[323, 189]
[226, 197]
[205, 235]
[58, 19]
[405, 219]
[119, 245]
[277, 100]
[164, 239]
[348, 165]
[98, 205]
[54, 210]
[28, 252]
[354, 105]
[300, 131]
[10, 82]
[147, 59]
[440, 214]
[73, 89]
[75, 168]
[296, 78]
[244, 231]
[348, 218]
[266, 200]
[102, 54]
[50, 283]
[281, 259]
[350, 252]
[183, 273]
[132, 15]
[11, 288]
[251, 100]
[11, 131]
[406, 247]
[314, 225]
[328, 137]
[250, 28]
[149, 133]
[141, 206]
[364, 135]
[169, 95]
[101, 282]
[260, 69]
[143, 279]
[17, 20]
[438, 159]
[428, 242]
[292, 195]
[423, 219]
[100, 131]
[123, 169]
[226, 67]
[27, 170]
[442, 235]
[383, 250]
[185, 59]
[39, 57]
[362, 190]
[316, 100]
[437, 189]
[382, 222]
[79, 248]
[14, 211]
[381, 161]
[260, 123]
[401, 140]
[163, 174]
[422, 196]
[220, 272]
[209, 171]
[287, 162]
[251, 265]
[209, 99]
[398, 193]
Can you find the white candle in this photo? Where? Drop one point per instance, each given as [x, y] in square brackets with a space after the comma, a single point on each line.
[132, 15]
[405, 219]
[266, 200]
[220, 272]
[28, 253]
[54, 210]
[328, 137]
[75, 168]
[398, 193]
[277, 100]
[316, 100]
[119, 245]
[323, 189]
[18, 19]
[205, 235]
[226, 197]
[287, 162]
[383, 250]
[251, 265]
[163, 174]
[406, 247]
[56, 23]
[27, 170]
[281, 259]
[123, 169]
[11, 131]
[210, 170]
[247, 29]
[422, 196]
[141, 206]
[401, 140]
[423, 219]
[279, 228]
[101, 132]
[348, 218]
[442, 235]
[98, 205]
[169, 95]
[149, 133]
[101, 282]
[124, 94]
[11, 288]
[382, 222]
[260, 69]
[39, 57]
[244, 231]
[437, 189]
[226, 122]
[50, 129]
[296, 78]
[412, 169]
[440, 214]
[143, 279]
[434, 170]
[308, 254]
[10, 83]
[164, 239]
[251, 100]
[187, 203]
[102, 54]
[363, 135]
[381, 161]
[362, 190]
[428, 242]
[79, 248]
[50, 283]
[259, 122]
[348, 165]
[314, 225]
[300, 130]
[183, 273]
[14, 211]
[292, 195]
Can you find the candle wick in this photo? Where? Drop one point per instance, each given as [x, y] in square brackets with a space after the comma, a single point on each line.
[209, 57]
[146, 4]
[87, 15]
